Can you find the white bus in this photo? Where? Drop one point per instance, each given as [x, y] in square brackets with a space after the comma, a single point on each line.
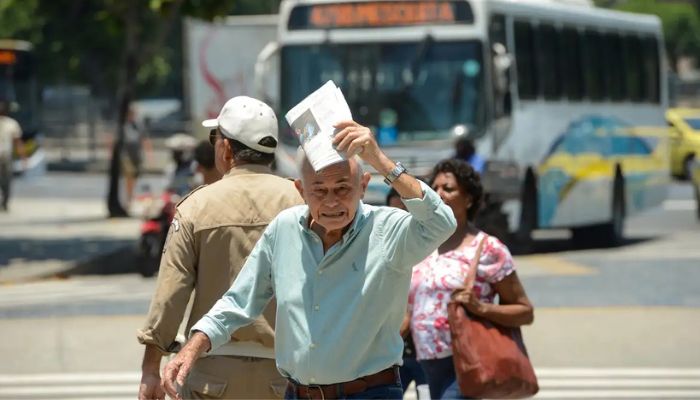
[561, 99]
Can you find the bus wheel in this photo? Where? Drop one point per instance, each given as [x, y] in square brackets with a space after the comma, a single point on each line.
[610, 234]
[528, 216]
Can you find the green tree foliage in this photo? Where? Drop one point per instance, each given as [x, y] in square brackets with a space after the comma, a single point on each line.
[681, 22]
[17, 19]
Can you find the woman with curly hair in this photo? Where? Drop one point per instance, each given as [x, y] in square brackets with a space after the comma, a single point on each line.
[444, 271]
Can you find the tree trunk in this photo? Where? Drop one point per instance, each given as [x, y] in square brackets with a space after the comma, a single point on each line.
[125, 93]
[137, 51]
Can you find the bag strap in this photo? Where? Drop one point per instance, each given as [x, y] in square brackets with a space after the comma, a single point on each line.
[474, 266]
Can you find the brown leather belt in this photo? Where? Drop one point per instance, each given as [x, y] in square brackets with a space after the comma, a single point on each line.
[388, 376]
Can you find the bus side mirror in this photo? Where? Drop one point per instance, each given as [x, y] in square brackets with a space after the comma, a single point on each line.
[502, 61]
[266, 80]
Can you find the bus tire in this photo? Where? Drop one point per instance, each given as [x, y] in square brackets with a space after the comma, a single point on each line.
[528, 215]
[610, 234]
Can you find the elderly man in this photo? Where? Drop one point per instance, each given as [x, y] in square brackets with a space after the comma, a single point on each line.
[214, 229]
[340, 271]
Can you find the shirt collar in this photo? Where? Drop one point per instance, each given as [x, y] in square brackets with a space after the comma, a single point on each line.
[247, 169]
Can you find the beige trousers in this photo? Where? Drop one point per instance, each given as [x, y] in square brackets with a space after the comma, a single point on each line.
[224, 377]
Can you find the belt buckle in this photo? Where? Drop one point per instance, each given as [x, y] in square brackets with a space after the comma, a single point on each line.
[320, 389]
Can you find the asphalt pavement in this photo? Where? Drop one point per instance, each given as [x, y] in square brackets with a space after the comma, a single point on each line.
[610, 323]
[58, 225]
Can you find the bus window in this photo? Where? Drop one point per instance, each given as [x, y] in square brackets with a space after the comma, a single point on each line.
[651, 69]
[634, 78]
[547, 55]
[571, 72]
[614, 78]
[593, 65]
[525, 60]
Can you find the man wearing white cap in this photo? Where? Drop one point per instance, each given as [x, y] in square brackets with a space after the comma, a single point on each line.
[214, 229]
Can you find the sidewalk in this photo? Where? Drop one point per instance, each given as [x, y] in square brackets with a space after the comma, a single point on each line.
[57, 226]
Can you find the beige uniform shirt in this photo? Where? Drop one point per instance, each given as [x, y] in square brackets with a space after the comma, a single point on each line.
[214, 230]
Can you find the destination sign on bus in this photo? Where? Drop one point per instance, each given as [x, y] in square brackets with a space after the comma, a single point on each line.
[379, 14]
[7, 57]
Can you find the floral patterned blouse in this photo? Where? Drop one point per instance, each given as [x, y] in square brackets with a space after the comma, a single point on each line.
[437, 276]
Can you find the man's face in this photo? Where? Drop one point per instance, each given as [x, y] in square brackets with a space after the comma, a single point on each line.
[333, 193]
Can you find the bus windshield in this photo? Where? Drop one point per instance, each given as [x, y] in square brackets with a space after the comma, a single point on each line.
[420, 89]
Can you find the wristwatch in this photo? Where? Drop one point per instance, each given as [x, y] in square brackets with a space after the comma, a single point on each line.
[394, 174]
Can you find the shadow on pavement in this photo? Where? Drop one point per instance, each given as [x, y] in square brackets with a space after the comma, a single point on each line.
[544, 246]
[57, 219]
[94, 256]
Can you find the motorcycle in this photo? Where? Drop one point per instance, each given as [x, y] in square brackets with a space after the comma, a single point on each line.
[158, 211]
[157, 216]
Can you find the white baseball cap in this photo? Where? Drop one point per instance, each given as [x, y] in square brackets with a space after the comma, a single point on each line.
[246, 120]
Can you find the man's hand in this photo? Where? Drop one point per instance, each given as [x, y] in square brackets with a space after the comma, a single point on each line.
[150, 374]
[355, 139]
[176, 371]
[150, 387]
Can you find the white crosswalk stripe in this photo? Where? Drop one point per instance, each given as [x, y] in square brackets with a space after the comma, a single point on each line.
[619, 383]
[555, 383]
[614, 383]
[77, 289]
[112, 386]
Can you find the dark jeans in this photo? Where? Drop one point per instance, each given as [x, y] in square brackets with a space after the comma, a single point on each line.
[411, 371]
[392, 392]
[441, 379]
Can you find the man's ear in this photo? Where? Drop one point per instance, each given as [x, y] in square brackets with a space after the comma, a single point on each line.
[364, 182]
[228, 152]
[300, 188]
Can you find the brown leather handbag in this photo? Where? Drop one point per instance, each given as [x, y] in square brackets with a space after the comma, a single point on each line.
[490, 360]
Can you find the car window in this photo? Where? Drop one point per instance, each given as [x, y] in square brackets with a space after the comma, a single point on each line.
[693, 122]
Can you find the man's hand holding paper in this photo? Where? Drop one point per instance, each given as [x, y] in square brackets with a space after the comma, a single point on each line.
[313, 120]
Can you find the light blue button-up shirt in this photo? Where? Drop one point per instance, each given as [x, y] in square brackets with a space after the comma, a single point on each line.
[338, 313]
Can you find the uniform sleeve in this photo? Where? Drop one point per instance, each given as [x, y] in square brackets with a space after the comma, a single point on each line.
[410, 237]
[251, 291]
[496, 261]
[175, 284]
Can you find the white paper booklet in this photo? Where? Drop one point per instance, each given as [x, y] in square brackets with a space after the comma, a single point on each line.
[312, 121]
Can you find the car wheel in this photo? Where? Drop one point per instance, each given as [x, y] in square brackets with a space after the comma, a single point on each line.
[697, 199]
[688, 167]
